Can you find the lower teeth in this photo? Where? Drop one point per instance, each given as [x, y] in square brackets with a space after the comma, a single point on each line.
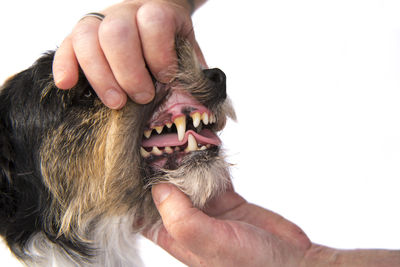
[156, 151]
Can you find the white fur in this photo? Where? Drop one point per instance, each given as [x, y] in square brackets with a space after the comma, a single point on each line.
[114, 240]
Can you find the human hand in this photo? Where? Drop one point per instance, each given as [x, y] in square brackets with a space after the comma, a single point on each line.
[114, 53]
[231, 232]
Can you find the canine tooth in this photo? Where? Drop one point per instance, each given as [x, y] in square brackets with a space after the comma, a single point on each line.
[205, 118]
[159, 129]
[156, 151]
[203, 148]
[196, 119]
[147, 133]
[192, 144]
[169, 124]
[144, 153]
[168, 149]
[180, 123]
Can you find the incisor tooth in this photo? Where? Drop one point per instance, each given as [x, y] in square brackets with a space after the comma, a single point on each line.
[159, 129]
[213, 119]
[192, 144]
[180, 123]
[168, 149]
[147, 133]
[144, 153]
[203, 148]
[205, 118]
[156, 151]
[196, 117]
[169, 124]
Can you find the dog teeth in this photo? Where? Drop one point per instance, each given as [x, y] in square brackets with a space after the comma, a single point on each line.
[192, 144]
[180, 124]
[156, 151]
[168, 150]
[144, 153]
[159, 129]
[196, 117]
[204, 117]
[203, 148]
[213, 119]
[147, 133]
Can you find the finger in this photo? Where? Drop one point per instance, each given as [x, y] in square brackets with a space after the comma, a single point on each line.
[224, 203]
[120, 41]
[158, 25]
[269, 221]
[94, 64]
[192, 39]
[188, 226]
[65, 66]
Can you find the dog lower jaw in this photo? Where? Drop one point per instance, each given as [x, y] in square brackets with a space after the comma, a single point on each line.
[201, 175]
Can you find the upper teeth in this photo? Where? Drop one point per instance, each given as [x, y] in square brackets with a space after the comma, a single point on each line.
[159, 129]
[196, 117]
[204, 117]
[180, 123]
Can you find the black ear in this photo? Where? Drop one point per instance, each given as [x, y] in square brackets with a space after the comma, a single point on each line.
[7, 193]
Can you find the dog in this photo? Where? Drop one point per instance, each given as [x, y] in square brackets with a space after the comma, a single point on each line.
[76, 177]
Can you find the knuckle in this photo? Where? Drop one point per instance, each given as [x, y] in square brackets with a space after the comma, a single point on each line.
[83, 30]
[114, 30]
[153, 13]
[133, 84]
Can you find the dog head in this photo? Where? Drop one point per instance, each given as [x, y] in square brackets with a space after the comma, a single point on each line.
[67, 161]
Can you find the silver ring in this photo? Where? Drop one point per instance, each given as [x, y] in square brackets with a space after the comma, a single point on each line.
[94, 15]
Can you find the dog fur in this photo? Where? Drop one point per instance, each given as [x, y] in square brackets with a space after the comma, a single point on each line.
[74, 189]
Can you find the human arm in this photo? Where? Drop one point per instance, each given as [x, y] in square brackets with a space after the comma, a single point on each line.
[232, 232]
[115, 54]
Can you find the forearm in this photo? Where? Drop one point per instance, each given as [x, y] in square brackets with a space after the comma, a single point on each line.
[320, 256]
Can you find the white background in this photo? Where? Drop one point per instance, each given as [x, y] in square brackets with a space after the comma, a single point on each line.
[316, 86]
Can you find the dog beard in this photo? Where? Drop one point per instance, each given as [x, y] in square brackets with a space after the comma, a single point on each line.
[75, 176]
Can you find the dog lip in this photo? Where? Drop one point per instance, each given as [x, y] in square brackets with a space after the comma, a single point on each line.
[174, 107]
[204, 137]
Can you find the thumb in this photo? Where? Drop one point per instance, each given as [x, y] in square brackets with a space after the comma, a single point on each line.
[187, 225]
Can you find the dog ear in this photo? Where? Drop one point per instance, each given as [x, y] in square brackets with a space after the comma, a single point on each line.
[7, 192]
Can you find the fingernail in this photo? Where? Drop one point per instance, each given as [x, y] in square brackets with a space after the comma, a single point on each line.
[161, 192]
[113, 99]
[142, 97]
[59, 77]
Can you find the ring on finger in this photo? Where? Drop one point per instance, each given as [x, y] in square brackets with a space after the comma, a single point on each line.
[94, 15]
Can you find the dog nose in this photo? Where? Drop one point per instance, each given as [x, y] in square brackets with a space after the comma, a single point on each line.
[218, 78]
